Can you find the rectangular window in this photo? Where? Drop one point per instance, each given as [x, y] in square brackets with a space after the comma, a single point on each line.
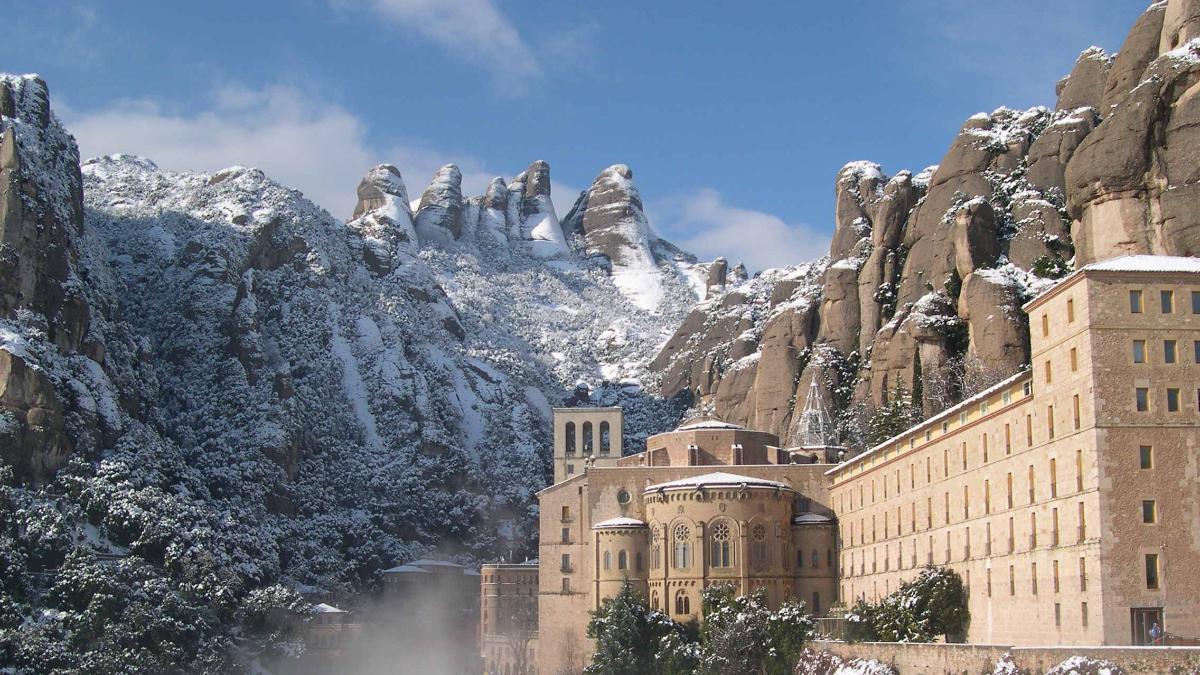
[1135, 302]
[1079, 471]
[1082, 574]
[565, 562]
[566, 585]
[1054, 566]
[1053, 478]
[1054, 530]
[1083, 613]
[566, 535]
[945, 462]
[1050, 421]
[1141, 399]
[1049, 372]
[566, 513]
[966, 503]
[989, 582]
[1139, 351]
[1195, 302]
[1146, 456]
[1007, 440]
[1057, 614]
[987, 542]
[1167, 300]
[985, 447]
[1075, 409]
[1082, 523]
[967, 546]
[1009, 482]
[1045, 325]
[987, 496]
[1074, 360]
[1011, 536]
[1070, 309]
[946, 499]
[964, 455]
[1032, 531]
[929, 513]
[1172, 399]
[1149, 511]
[1170, 351]
[1152, 571]
[1032, 496]
[1029, 431]
[1196, 350]
[1012, 581]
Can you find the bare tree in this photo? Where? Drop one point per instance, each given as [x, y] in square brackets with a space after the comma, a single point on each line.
[520, 630]
[960, 378]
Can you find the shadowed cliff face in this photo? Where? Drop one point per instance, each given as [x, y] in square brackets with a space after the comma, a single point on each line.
[927, 272]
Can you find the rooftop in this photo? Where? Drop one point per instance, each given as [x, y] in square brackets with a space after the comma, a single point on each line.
[405, 569]
[618, 523]
[322, 608]
[1147, 263]
[804, 518]
[718, 479]
[708, 424]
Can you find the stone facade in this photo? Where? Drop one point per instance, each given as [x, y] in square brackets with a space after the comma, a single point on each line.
[1066, 495]
[508, 616]
[707, 503]
[1072, 516]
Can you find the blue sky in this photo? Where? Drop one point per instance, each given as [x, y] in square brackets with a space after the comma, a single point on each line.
[734, 117]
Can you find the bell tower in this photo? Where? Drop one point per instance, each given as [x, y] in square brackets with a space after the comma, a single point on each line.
[585, 437]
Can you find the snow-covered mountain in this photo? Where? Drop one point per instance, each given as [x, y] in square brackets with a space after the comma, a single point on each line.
[211, 380]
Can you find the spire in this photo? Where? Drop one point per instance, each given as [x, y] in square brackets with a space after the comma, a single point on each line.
[815, 428]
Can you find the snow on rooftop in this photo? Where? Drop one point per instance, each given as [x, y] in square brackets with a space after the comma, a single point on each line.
[405, 569]
[811, 518]
[708, 424]
[717, 479]
[322, 608]
[1147, 263]
[617, 523]
[427, 562]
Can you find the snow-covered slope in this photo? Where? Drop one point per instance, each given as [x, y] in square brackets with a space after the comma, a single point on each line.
[219, 384]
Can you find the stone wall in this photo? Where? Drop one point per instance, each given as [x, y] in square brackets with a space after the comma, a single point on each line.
[961, 659]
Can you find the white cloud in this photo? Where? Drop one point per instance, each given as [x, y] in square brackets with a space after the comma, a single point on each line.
[317, 148]
[473, 30]
[704, 224]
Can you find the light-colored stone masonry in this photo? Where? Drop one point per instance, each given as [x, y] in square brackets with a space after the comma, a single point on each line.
[1033, 491]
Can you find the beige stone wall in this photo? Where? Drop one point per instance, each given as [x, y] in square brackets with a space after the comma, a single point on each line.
[944, 659]
[1065, 437]
[585, 435]
[606, 492]
[712, 447]
[508, 596]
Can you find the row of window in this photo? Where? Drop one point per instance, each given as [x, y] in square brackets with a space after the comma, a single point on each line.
[1173, 399]
[1166, 301]
[858, 559]
[1170, 351]
[588, 439]
[963, 454]
[848, 530]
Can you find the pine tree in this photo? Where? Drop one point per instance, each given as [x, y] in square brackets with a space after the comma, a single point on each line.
[899, 413]
[628, 635]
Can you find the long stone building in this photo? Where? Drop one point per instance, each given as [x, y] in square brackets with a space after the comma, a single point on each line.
[1067, 496]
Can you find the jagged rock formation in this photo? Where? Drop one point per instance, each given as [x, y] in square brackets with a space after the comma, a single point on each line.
[607, 223]
[927, 272]
[221, 386]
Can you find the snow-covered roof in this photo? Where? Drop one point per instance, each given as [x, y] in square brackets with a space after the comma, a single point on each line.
[708, 424]
[322, 608]
[618, 523]
[811, 518]
[405, 569]
[426, 562]
[717, 479]
[1147, 263]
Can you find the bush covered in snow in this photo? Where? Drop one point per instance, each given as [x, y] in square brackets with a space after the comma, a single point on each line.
[928, 607]
[820, 662]
[1082, 665]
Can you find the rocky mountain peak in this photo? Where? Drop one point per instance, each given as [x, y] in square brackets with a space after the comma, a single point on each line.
[380, 182]
[439, 215]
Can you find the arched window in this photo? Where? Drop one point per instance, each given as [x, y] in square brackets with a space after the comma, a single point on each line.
[654, 600]
[570, 439]
[816, 606]
[605, 438]
[720, 549]
[622, 560]
[607, 559]
[587, 438]
[638, 559]
[758, 546]
[655, 549]
[683, 547]
[683, 605]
